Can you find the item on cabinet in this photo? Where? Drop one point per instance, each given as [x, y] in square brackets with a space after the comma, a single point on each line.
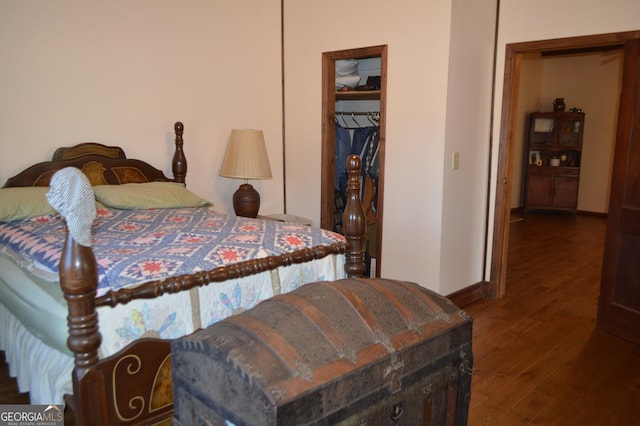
[534, 158]
[373, 83]
[575, 109]
[555, 162]
[543, 125]
[558, 104]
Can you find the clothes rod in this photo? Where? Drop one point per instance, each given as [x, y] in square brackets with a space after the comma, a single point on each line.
[357, 113]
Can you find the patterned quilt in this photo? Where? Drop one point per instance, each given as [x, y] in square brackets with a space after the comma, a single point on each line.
[135, 246]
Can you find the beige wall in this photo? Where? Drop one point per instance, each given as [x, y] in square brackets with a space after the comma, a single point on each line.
[122, 72]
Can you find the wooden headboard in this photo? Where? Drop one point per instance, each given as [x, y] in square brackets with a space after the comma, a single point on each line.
[103, 165]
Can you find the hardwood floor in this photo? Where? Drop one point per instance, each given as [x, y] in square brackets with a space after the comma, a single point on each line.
[9, 391]
[8, 388]
[538, 357]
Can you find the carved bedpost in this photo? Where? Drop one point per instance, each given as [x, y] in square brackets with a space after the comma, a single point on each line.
[353, 220]
[179, 164]
[79, 282]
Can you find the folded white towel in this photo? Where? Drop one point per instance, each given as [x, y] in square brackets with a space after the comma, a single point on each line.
[70, 193]
[346, 67]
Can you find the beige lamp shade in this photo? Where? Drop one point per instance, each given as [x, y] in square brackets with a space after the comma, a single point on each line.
[246, 156]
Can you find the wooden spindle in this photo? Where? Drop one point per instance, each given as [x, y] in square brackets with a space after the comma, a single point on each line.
[353, 220]
[179, 163]
[79, 282]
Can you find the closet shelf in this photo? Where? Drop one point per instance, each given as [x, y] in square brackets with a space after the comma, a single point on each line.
[357, 95]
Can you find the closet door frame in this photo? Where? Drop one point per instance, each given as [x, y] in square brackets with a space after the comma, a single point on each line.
[328, 135]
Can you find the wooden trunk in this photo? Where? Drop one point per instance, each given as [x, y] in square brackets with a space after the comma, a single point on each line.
[354, 351]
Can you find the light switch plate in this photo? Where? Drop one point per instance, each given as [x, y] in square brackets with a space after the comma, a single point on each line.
[455, 161]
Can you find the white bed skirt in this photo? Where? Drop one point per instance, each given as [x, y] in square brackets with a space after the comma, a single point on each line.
[40, 370]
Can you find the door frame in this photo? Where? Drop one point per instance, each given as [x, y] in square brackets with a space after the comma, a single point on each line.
[328, 136]
[495, 287]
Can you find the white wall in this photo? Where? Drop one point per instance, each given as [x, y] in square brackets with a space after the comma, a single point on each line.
[467, 133]
[122, 72]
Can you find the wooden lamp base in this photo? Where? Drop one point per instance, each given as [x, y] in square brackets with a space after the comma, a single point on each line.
[246, 201]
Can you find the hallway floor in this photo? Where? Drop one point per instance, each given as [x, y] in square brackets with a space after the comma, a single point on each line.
[538, 357]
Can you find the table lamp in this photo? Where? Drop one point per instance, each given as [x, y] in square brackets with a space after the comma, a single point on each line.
[246, 158]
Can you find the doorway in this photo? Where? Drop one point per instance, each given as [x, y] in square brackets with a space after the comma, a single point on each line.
[495, 288]
[354, 85]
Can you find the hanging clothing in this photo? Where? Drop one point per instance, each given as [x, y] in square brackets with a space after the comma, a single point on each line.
[342, 150]
[364, 142]
[369, 199]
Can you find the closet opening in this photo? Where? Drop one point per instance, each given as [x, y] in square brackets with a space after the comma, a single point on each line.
[353, 122]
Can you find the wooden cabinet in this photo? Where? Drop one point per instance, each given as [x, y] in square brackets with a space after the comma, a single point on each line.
[552, 188]
[554, 154]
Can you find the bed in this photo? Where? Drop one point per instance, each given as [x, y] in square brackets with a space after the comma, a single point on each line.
[91, 325]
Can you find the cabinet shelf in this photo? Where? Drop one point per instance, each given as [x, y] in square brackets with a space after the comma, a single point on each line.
[358, 95]
[533, 167]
